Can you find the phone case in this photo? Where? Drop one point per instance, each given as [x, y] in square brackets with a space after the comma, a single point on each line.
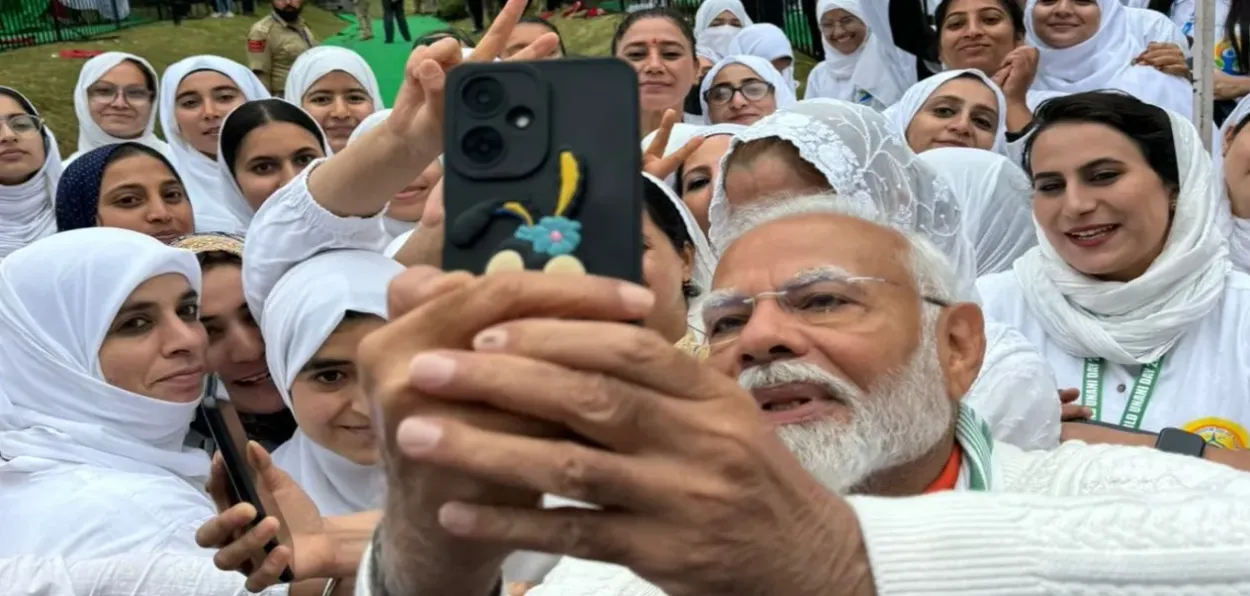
[564, 192]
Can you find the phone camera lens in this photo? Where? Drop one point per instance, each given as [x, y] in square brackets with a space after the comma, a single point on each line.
[482, 145]
[483, 96]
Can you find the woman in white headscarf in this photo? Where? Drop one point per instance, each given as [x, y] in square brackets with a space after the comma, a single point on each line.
[405, 208]
[115, 102]
[1015, 391]
[1091, 48]
[311, 340]
[196, 94]
[1232, 161]
[103, 368]
[767, 41]
[1130, 294]
[692, 180]
[743, 89]
[263, 145]
[29, 177]
[993, 194]
[337, 88]
[956, 108]
[718, 22]
[861, 63]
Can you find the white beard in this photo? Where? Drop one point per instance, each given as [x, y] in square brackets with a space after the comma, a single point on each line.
[898, 420]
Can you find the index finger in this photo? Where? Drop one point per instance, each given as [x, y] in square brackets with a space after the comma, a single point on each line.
[419, 285]
[496, 37]
[666, 166]
[662, 134]
[538, 48]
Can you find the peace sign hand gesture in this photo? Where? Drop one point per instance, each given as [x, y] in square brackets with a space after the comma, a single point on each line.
[654, 161]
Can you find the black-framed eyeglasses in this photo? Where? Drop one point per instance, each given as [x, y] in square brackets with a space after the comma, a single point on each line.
[23, 124]
[820, 298]
[107, 93]
[753, 90]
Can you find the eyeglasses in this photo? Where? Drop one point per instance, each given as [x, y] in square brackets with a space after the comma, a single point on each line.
[107, 93]
[754, 90]
[23, 124]
[846, 21]
[818, 299]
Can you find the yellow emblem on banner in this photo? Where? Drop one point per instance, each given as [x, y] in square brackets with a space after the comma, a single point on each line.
[1221, 432]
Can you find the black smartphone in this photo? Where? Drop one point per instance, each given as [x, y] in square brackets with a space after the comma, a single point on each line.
[242, 485]
[542, 168]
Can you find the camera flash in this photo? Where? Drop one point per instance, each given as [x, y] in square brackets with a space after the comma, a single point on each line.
[521, 118]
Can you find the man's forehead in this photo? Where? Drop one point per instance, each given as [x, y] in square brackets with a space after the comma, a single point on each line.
[777, 251]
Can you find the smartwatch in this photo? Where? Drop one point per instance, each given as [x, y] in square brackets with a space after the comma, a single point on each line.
[1175, 440]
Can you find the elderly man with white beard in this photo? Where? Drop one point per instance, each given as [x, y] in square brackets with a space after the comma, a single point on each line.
[494, 391]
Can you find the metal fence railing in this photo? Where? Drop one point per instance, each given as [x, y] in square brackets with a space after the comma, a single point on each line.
[26, 23]
[796, 17]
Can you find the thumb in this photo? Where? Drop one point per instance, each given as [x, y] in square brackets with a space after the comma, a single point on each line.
[270, 475]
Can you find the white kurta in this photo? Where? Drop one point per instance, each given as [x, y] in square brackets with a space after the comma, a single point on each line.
[144, 574]
[1204, 385]
[1082, 519]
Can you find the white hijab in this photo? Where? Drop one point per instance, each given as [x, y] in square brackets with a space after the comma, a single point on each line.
[61, 410]
[302, 311]
[1139, 321]
[1105, 61]
[27, 210]
[323, 60]
[200, 174]
[230, 195]
[995, 196]
[394, 227]
[865, 162]
[704, 259]
[783, 93]
[902, 113]
[719, 37]
[876, 67]
[90, 135]
[767, 41]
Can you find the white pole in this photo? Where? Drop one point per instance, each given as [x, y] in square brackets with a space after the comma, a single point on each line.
[1204, 68]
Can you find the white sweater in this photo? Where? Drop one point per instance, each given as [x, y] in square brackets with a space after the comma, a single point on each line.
[1081, 519]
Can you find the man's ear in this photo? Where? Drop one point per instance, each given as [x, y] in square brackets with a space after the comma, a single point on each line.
[961, 346]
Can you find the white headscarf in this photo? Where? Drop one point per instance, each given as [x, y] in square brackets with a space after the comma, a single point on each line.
[704, 259]
[683, 133]
[90, 135]
[27, 210]
[61, 408]
[302, 311]
[230, 194]
[783, 93]
[876, 67]
[394, 227]
[767, 41]
[718, 38]
[1105, 61]
[200, 174]
[995, 196]
[323, 60]
[1137, 322]
[902, 113]
[866, 163]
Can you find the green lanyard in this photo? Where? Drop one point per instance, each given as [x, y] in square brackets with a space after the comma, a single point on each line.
[1143, 389]
[973, 435]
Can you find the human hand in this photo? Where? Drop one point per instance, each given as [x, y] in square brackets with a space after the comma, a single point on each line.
[1015, 76]
[1167, 58]
[654, 161]
[311, 553]
[699, 495]
[417, 114]
[1071, 410]
[1099, 434]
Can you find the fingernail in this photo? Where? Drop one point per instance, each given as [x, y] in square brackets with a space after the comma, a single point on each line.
[490, 340]
[431, 370]
[1087, 411]
[456, 518]
[636, 297]
[417, 435]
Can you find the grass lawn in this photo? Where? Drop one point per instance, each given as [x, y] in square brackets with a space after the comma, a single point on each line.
[49, 81]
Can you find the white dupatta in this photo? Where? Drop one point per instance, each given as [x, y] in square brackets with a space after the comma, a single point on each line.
[27, 210]
[90, 134]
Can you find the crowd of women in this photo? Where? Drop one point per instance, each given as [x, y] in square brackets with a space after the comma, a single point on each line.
[254, 240]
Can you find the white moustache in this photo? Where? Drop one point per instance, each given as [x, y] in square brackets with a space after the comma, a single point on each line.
[785, 372]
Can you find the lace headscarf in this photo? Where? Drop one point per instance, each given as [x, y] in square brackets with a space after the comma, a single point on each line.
[1139, 321]
[864, 162]
[994, 194]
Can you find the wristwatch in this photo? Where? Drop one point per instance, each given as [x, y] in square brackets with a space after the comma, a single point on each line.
[1175, 440]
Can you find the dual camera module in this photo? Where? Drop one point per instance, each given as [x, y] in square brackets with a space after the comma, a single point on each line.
[484, 97]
